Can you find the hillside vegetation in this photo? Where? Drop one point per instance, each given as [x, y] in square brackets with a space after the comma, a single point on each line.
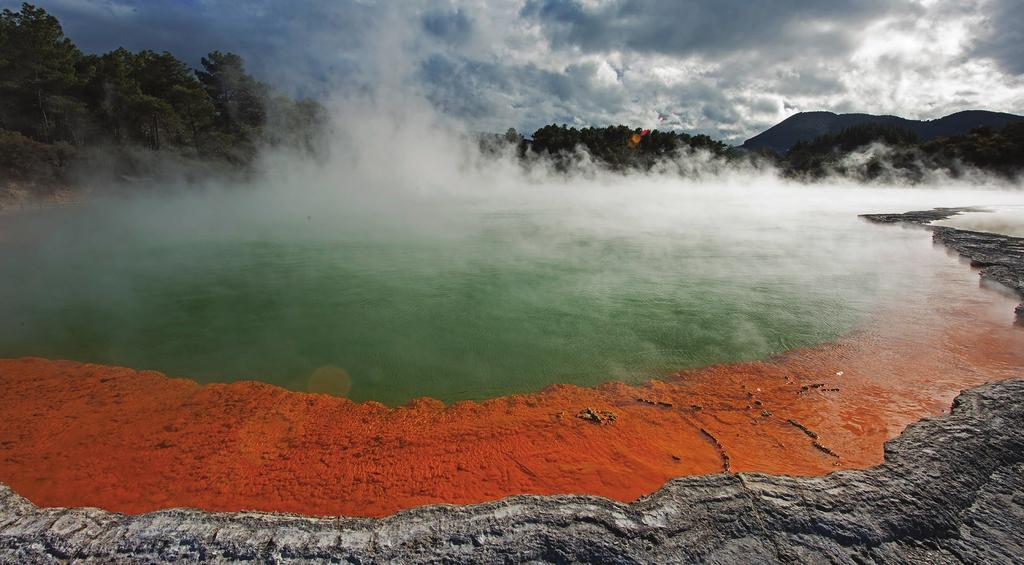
[889, 152]
[63, 112]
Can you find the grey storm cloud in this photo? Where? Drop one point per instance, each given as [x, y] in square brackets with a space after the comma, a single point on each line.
[1003, 38]
[300, 39]
[693, 27]
[727, 68]
[487, 90]
[451, 25]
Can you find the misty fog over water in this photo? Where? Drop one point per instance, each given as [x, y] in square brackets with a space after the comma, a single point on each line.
[434, 277]
[404, 262]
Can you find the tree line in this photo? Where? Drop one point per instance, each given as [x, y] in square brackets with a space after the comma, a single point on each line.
[611, 146]
[888, 151]
[56, 100]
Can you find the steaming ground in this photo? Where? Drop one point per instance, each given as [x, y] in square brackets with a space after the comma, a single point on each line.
[443, 274]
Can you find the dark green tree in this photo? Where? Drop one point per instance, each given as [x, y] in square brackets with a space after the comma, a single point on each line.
[300, 124]
[512, 136]
[175, 105]
[37, 73]
[238, 98]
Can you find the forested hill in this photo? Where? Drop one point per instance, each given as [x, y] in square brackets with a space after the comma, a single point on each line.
[806, 126]
[59, 105]
[888, 152]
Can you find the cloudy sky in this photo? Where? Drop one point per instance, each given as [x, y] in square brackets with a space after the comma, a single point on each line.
[729, 68]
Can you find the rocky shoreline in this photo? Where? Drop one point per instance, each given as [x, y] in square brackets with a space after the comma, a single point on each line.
[951, 490]
[999, 258]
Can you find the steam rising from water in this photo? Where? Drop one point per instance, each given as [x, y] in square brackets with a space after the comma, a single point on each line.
[1007, 220]
[406, 263]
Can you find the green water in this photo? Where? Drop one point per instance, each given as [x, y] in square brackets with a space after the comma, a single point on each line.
[504, 302]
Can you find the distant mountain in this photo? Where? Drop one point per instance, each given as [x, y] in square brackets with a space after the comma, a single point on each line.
[806, 126]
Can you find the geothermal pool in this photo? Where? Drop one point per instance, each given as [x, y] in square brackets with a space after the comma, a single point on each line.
[469, 297]
[452, 298]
